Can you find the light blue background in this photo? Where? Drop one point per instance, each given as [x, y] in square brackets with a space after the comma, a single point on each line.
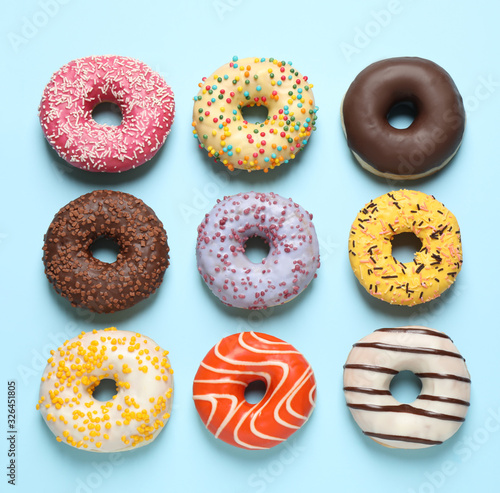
[185, 41]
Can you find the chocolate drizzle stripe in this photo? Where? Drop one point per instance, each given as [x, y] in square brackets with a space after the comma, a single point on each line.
[407, 409]
[402, 438]
[448, 400]
[415, 330]
[378, 369]
[444, 376]
[366, 390]
[407, 349]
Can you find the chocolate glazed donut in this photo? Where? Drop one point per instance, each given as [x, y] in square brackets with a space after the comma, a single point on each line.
[435, 134]
[87, 281]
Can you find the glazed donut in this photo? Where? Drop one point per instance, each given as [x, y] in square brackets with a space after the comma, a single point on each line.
[226, 371]
[144, 98]
[287, 270]
[87, 281]
[439, 410]
[434, 267]
[133, 417]
[223, 131]
[433, 138]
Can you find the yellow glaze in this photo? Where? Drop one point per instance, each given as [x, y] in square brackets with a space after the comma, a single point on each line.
[434, 267]
[222, 130]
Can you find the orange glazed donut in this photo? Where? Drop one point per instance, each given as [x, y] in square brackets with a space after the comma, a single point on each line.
[235, 362]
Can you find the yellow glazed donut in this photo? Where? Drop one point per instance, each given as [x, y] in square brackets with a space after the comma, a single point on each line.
[434, 267]
[222, 130]
[133, 417]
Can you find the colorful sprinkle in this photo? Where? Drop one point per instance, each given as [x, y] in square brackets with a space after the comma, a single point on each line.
[286, 102]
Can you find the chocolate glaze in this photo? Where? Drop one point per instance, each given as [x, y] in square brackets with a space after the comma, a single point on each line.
[406, 408]
[415, 330]
[440, 398]
[88, 282]
[407, 349]
[377, 369]
[443, 376]
[366, 390]
[433, 137]
[402, 438]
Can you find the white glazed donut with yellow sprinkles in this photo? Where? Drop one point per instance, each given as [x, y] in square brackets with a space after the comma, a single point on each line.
[133, 417]
[222, 129]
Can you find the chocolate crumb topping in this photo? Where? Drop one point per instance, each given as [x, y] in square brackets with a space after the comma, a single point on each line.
[87, 281]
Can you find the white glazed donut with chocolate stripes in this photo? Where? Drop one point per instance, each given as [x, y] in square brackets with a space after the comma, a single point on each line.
[438, 411]
[286, 271]
[226, 371]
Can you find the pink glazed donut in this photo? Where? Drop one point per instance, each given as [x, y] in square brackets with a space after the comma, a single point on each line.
[144, 98]
[293, 250]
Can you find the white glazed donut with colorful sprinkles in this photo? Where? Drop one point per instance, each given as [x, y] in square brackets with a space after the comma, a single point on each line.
[222, 129]
[133, 417]
[144, 98]
[289, 267]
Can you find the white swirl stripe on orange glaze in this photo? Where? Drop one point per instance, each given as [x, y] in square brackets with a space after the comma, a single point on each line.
[144, 98]
[293, 257]
[439, 410]
[226, 371]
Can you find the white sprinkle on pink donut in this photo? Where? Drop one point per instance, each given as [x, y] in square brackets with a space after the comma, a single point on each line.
[293, 250]
[144, 98]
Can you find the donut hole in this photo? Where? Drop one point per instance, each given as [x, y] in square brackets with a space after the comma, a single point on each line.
[105, 249]
[405, 387]
[405, 246]
[105, 390]
[402, 114]
[255, 391]
[256, 249]
[107, 113]
[255, 114]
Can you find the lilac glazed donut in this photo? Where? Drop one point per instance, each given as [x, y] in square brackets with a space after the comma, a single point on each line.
[288, 269]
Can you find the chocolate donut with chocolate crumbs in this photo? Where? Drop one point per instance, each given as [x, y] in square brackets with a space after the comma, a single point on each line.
[89, 282]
